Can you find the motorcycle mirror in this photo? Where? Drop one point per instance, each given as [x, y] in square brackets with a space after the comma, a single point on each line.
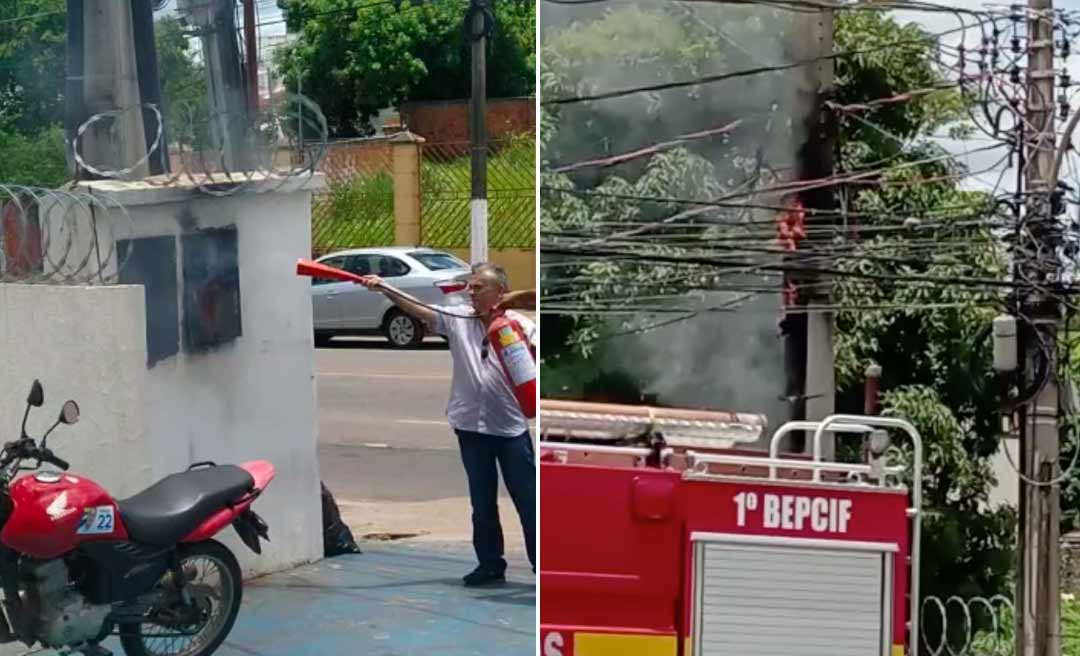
[69, 414]
[37, 395]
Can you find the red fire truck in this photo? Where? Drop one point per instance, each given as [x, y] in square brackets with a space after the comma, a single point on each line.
[664, 533]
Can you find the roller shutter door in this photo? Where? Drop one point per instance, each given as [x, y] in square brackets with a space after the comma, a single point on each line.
[762, 597]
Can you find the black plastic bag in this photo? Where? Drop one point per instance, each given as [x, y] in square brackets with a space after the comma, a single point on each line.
[337, 538]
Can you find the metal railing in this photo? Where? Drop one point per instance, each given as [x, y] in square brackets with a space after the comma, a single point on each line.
[445, 193]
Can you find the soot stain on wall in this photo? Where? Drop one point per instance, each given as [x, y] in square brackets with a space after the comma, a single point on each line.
[211, 279]
[191, 284]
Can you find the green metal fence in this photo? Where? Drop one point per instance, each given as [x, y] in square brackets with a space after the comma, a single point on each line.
[357, 209]
[445, 191]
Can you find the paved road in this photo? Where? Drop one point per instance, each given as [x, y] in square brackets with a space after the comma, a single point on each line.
[383, 435]
[385, 449]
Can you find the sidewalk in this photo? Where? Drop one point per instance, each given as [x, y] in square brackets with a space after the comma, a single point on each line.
[438, 521]
[392, 600]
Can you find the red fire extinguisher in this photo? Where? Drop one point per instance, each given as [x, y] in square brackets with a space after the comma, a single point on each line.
[511, 346]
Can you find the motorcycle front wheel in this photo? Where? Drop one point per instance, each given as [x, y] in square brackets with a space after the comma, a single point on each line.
[216, 585]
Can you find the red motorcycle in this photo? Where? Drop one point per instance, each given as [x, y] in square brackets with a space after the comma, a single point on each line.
[77, 566]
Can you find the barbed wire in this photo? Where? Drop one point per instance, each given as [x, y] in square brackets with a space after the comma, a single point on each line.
[218, 153]
[66, 236]
[975, 626]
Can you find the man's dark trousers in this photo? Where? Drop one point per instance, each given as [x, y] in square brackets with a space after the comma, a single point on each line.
[483, 455]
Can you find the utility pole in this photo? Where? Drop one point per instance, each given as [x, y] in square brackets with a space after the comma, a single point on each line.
[1037, 603]
[146, 64]
[111, 84]
[478, 23]
[251, 49]
[215, 21]
[74, 111]
[810, 334]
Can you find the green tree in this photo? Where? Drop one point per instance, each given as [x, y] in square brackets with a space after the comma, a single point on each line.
[183, 81]
[915, 220]
[33, 36]
[36, 161]
[32, 45]
[32, 65]
[356, 59]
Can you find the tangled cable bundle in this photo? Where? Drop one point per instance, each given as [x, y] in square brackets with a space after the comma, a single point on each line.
[61, 236]
[713, 241]
[200, 149]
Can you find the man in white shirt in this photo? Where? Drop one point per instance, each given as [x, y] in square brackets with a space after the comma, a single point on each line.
[492, 431]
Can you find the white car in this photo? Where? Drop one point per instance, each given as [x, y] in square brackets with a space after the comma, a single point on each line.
[345, 308]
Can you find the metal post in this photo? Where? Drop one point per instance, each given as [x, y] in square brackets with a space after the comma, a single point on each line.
[871, 388]
[476, 26]
[1037, 604]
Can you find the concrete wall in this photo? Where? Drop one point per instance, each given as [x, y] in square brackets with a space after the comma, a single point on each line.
[86, 344]
[252, 398]
[447, 121]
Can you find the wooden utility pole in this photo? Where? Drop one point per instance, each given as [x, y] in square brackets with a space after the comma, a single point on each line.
[1037, 602]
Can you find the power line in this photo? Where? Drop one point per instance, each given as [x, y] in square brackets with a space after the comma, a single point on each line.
[709, 79]
[959, 281]
[19, 19]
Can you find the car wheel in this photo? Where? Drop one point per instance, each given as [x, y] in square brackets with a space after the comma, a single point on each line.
[403, 331]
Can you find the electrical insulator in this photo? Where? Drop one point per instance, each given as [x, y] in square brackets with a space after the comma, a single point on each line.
[1065, 80]
[1014, 75]
[1004, 331]
[1015, 42]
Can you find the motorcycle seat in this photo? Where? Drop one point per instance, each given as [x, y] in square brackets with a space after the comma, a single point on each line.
[168, 510]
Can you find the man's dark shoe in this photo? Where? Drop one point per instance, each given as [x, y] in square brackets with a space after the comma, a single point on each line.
[484, 576]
